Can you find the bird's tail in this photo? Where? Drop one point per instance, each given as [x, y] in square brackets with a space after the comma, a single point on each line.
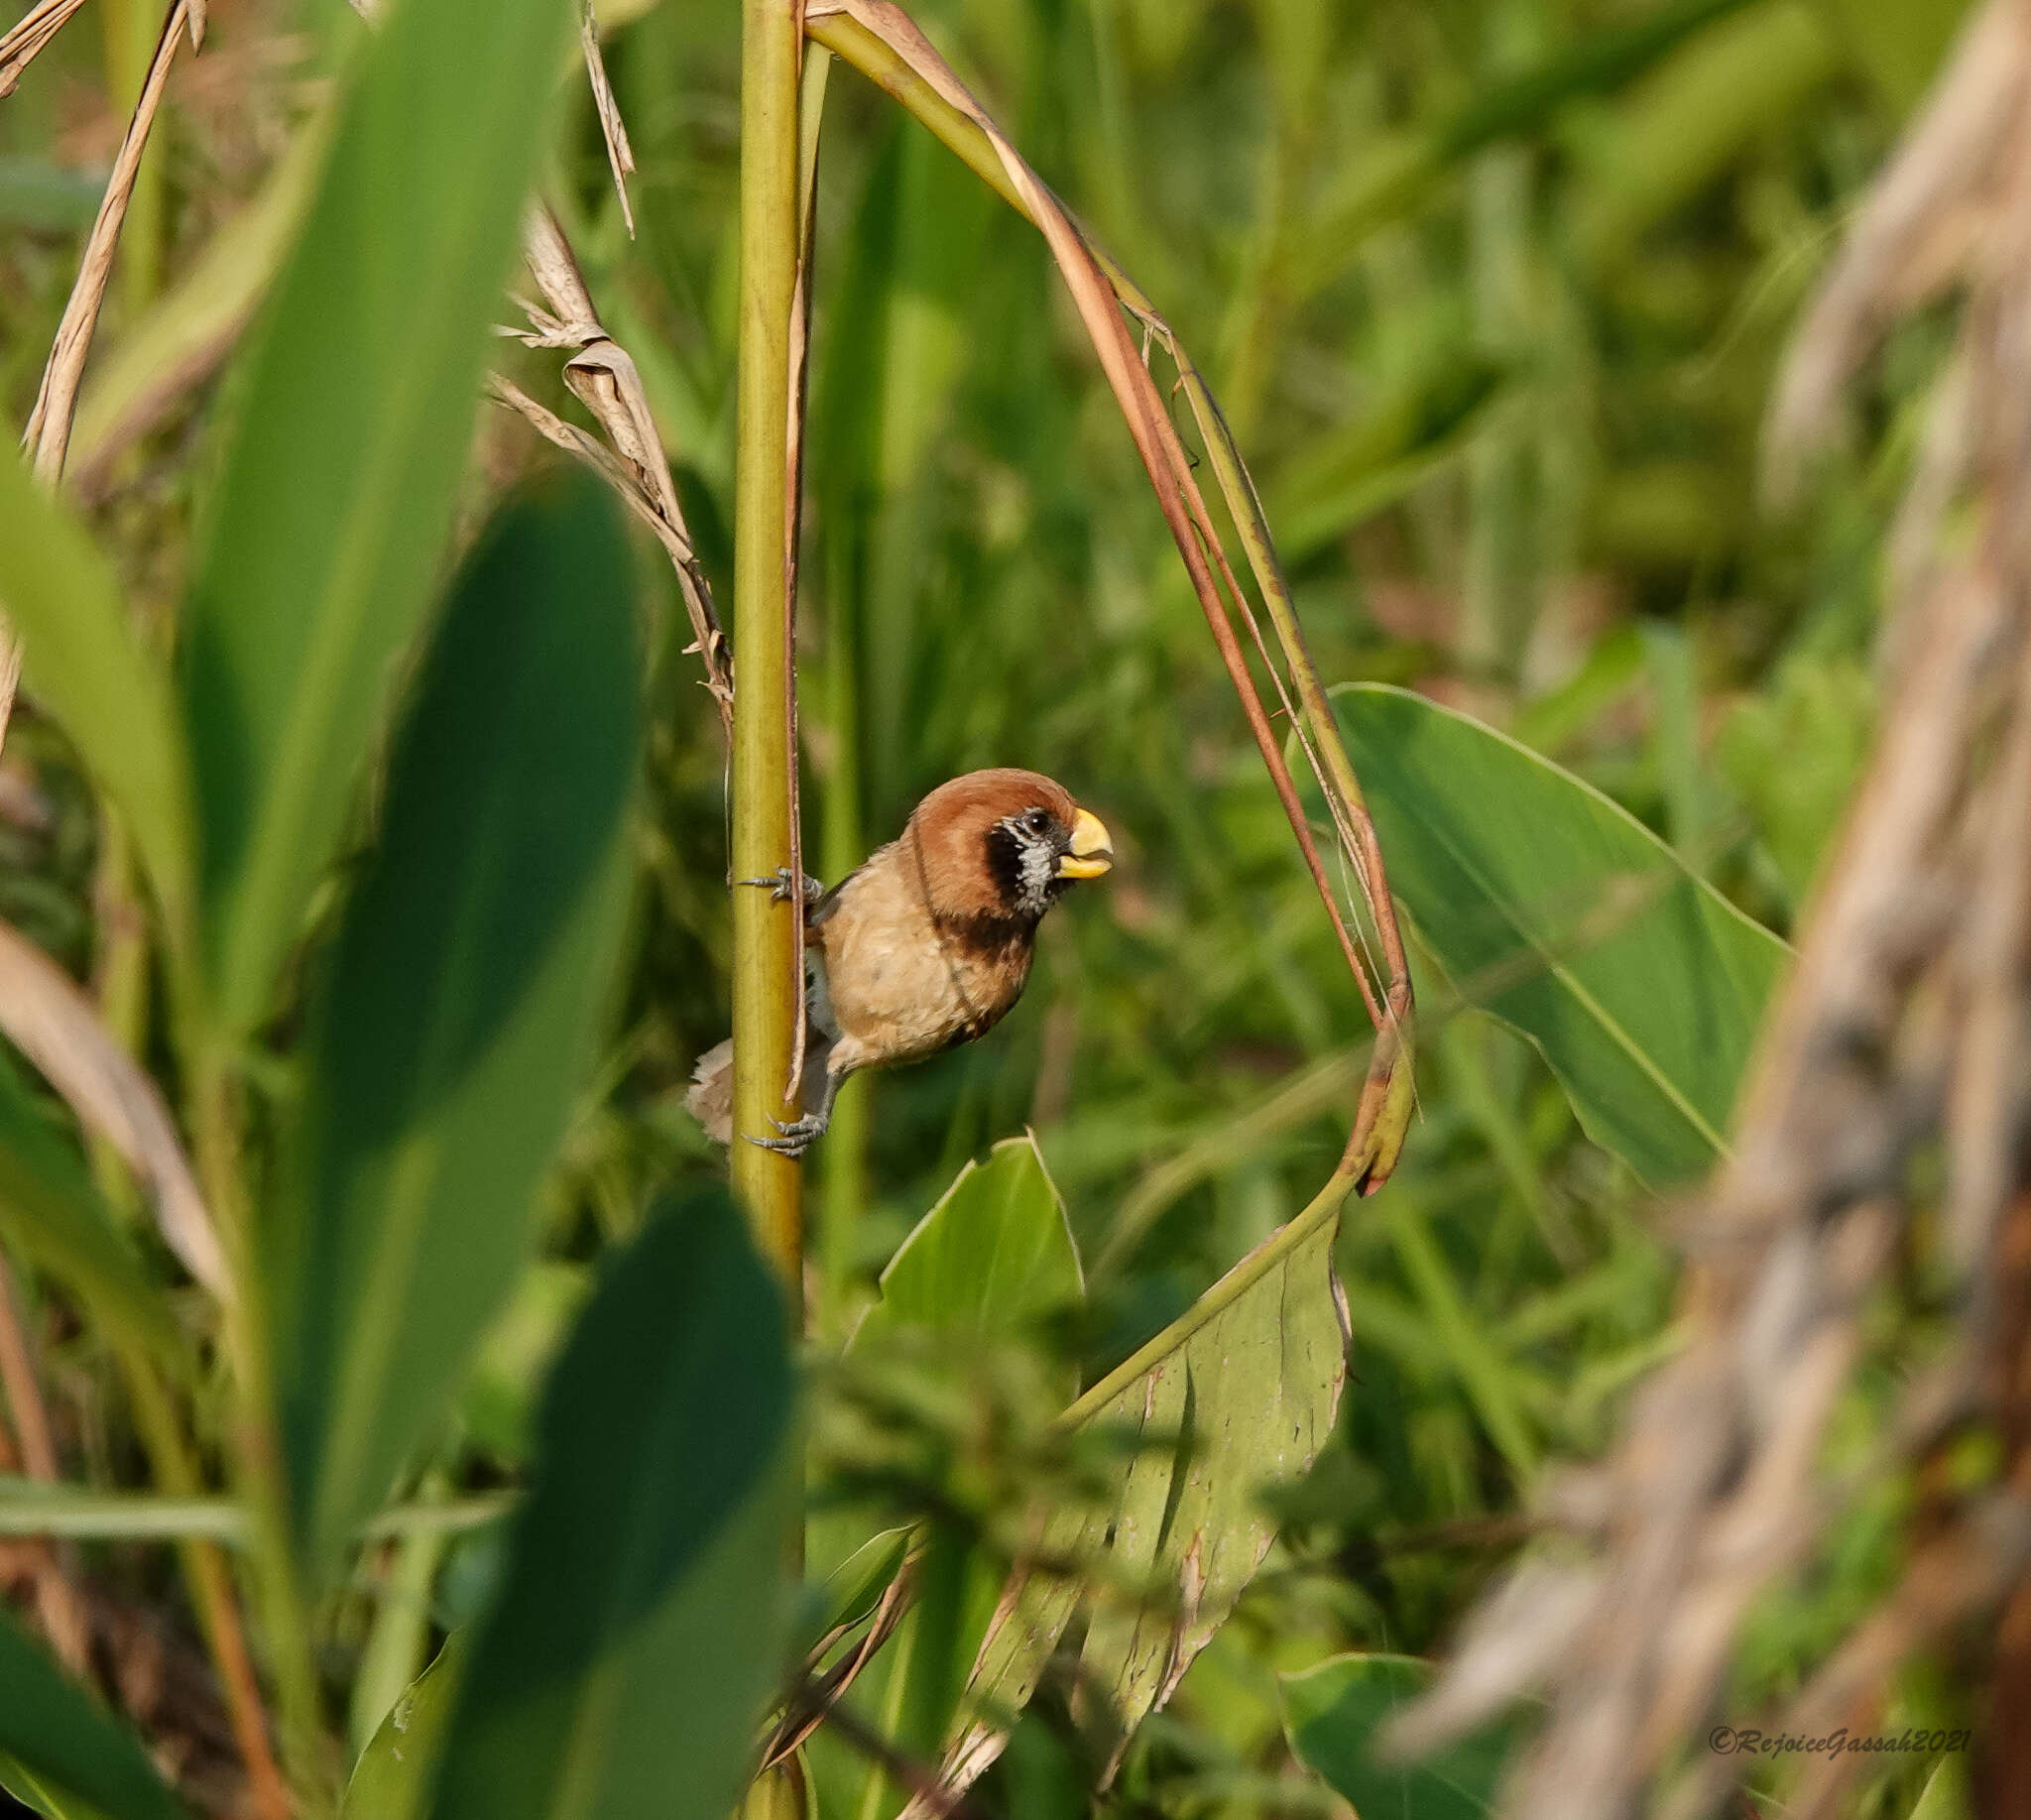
[711, 1098]
[711, 1094]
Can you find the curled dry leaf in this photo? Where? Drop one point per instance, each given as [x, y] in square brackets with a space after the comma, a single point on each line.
[55, 1026]
[885, 45]
[613, 129]
[604, 377]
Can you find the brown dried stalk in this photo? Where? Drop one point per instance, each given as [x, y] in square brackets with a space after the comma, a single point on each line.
[29, 36]
[605, 379]
[613, 129]
[63, 1616]
[880, 41]
[1906, 1023]
[49, 425]
[56, 1028]
[819, 1694]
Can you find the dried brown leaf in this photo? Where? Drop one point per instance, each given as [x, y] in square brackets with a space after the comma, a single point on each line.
[613, 129]
[58, 1029]
[48, 438]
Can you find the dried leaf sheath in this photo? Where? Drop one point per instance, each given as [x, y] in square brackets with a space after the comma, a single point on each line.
[603, 375]
[882, 42]
[613, 129]
[49, 425]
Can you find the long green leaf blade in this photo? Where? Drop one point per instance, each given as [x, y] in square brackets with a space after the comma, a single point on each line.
[56, 1749]
[391, 1779]
[1559, 913]
[994, 1255]
[330, 523]
[623, 1670]
[991, 1262]
[82, 662]
[459, 1016]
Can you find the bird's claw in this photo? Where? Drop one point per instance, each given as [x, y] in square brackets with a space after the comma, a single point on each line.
[797, 1137]
[778, 888]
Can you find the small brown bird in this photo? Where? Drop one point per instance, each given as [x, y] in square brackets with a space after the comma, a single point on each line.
[927, 944]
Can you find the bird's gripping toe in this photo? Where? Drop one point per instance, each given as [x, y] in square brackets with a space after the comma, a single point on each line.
[779, 887]
[797, 1137]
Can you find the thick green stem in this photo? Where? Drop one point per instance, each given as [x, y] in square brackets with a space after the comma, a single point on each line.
[129, 29]
[209, 1579]
[767, 970]
[307, 1747]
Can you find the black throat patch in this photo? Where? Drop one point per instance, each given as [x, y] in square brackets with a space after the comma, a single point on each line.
[1024, 868]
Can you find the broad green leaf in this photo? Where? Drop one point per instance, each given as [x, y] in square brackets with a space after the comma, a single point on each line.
[82, 662]
[50, 1208]
[992, 1259]
[1234, 1397]
[623, 1669]
[1332, 1714]
[327, 532]
[60, 1752]
[1556, 911]
[458, 1017]
[391, 1779]
[498, 1408]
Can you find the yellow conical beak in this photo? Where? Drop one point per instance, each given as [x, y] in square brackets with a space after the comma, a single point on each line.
[1092, 853]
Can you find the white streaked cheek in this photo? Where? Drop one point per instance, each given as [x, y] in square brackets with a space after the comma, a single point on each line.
[1039, 863]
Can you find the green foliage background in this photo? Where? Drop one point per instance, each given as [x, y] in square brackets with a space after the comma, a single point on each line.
[1493, 292]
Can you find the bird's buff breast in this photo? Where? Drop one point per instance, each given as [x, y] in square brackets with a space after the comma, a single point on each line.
[899, 988]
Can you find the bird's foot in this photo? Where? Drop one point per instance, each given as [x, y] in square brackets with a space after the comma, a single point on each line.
[797, 1137]
[779, 887]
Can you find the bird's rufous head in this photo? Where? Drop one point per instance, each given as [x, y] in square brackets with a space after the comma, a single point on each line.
[1003, 844]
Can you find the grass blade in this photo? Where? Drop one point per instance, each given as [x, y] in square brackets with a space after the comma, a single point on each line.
[458, 1019]
[84, 664]
[624, 1667]
[58, 1748]
[329, 523]
[1574, 923]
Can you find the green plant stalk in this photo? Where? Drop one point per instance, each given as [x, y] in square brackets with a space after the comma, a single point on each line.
[1319, 1089]
[767, 971]
[128, 31]
[1481, 1369]
[305, 1746]
[203, 1562]
[120, 985]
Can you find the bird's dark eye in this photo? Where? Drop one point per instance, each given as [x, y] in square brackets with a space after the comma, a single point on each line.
[1037, 821]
